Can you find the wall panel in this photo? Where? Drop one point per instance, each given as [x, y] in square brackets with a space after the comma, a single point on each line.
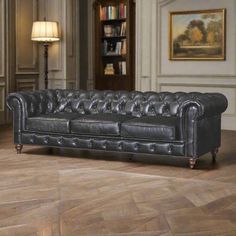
[26, 50]
[2, 39]
[202, 76]
[2, 61]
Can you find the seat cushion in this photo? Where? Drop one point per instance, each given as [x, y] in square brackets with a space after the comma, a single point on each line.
[56, 123]
[152, 128]
[99, 124]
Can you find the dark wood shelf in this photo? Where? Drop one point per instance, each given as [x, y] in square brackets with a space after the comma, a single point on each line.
[113, 20]
[113, 37]
[115, 76]
[124, 41]
[115, 55]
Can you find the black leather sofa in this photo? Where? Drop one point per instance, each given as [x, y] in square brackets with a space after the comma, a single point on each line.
[176, 124]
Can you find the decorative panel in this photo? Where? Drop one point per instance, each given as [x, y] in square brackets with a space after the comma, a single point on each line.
[2, 39]
[26, 50]
[25, 84]
[54, 11]
[146, 38]
[204, 76]
[2, 97]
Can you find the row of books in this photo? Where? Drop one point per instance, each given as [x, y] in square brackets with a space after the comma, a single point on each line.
[115, 30]
[109, 68]
[113, 12]
[114, 48]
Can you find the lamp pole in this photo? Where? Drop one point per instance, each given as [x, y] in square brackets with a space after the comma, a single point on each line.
[46, 64]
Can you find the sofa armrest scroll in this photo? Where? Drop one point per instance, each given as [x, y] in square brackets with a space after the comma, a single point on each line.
[207, 105]
[18, 105]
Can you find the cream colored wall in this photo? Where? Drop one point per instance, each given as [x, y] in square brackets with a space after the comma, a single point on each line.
[21, 60]
[154, 71]
[63, 55]
[18, 55]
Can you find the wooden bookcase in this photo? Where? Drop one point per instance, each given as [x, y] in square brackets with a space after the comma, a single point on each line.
[114, 44]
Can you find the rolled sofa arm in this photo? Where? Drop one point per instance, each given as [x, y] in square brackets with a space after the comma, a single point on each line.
[207, 104]
[17, 104]
[29, 104]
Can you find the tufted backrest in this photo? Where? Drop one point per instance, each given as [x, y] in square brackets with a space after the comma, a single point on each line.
[121, 102]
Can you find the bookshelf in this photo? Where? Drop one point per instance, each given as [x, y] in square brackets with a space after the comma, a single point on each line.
[114, 44]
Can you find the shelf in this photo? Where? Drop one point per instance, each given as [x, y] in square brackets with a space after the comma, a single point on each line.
[116, 76]
[114, 44]
[113, 20]
[115, 55]
[114, 37]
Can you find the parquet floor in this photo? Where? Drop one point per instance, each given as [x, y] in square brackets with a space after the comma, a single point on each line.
[105, 194]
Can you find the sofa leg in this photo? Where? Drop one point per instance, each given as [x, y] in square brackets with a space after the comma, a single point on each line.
[213, 153]
[18, 148]
[192, 162]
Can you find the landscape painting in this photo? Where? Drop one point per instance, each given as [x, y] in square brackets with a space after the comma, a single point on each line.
[197, 35]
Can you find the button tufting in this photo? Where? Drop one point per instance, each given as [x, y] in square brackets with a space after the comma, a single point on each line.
[46, 140]
[60, 141]
[120, 145]
[104, 145]
[74, 142]
[136, 146]
[152, 148]
[169, 149]
[32, 138]
[90, 143]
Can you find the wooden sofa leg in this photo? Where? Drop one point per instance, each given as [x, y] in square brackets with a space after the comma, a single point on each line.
[192, 162]
[19, 148]
[213, 153]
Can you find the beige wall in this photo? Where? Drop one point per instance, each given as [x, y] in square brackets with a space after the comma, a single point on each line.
[21, 60]
[154, 71]
[63, 55]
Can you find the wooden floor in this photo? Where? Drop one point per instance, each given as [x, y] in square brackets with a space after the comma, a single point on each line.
[72, 193]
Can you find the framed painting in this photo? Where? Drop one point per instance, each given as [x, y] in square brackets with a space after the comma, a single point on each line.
[197, 35]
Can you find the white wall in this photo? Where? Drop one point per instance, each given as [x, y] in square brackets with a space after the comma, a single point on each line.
[154, 70]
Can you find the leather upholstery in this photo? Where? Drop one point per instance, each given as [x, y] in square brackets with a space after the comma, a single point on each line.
[104, 143]
[152, 128]
[98, 124]
[183, 124]
[121, 102]
[56, 123]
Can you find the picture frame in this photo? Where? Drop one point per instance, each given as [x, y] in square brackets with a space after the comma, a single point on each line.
[197, 35]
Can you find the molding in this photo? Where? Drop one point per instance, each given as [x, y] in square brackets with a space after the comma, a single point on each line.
[27, 73]
[2, 98]
[26, 84]
[58, 15]
[91, 43]
[70, 84]
[2, 35]
[70, 23]
[20, 66]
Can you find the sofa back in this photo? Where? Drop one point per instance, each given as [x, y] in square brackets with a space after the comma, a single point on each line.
[121, 102]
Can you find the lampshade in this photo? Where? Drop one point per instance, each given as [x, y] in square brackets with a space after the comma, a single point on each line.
[45, 31]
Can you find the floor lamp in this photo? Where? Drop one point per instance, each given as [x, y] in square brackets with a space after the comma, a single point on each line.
[45, 32]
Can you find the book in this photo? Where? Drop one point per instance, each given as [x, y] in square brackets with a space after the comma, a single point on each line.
[113, 12]
[123, 29]
[123, 50]
[122, 67]
[109, 69]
